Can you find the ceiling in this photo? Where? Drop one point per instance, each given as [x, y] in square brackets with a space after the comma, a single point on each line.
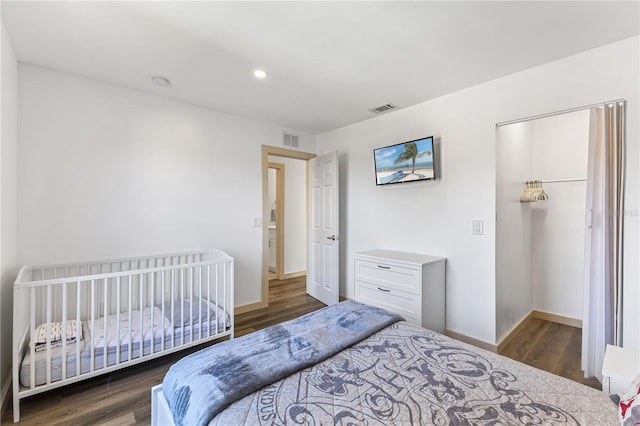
[328, 62]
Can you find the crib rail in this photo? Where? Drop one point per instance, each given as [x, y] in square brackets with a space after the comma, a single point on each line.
[76, 321]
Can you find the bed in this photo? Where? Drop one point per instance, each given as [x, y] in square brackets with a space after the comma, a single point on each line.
[355, 364]
[78, 321]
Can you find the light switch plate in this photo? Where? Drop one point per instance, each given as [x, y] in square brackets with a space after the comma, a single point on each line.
[257, 222]
[477, 227]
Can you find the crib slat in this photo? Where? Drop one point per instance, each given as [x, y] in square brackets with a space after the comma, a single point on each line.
[182, 304]
[105, 320]
[217, 330]
[93, 325]
[48, 302]
[140, 307]
[191, 324]
[152, 293]
[130, 345]
[78, 326]
[32, 334]
[64, 331]
[118, 308]
[209, 298]
[200, 325]
[164, 332]
[173, 308]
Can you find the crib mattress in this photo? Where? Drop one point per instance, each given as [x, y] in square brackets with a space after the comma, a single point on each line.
[133, 333]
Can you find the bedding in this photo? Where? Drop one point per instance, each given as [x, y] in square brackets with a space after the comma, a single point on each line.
[133, 333]
[194, 312]
[205, 382]
[402, 374]
[629, 404]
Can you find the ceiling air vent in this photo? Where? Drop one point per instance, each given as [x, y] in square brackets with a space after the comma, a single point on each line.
[383, 108]
[291, 140]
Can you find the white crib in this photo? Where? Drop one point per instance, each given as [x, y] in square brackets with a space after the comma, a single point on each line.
[76, 321]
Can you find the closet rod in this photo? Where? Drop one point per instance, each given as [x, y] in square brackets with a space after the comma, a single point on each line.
[563, 180]
[552, 114]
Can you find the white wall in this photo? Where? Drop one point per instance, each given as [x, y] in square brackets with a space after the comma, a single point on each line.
[559, 151]
[105, 171]
[435, 217]
[295, 213]
[513, 227]
[8, 198]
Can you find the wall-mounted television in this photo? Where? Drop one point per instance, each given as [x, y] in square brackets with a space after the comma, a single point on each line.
[410, 161]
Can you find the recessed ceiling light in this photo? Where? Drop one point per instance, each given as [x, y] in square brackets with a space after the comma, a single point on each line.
[260, 73]
[160, 81]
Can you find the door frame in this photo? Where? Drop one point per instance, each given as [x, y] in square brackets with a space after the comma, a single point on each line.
[268, 150]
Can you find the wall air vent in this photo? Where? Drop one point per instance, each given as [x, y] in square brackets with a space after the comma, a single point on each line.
[291, 140]
[383, 108]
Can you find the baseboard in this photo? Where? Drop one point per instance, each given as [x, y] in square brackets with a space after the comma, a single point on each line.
[250, 307]
[4, 396]
[560, 319]
[472, 341]
[514, 331]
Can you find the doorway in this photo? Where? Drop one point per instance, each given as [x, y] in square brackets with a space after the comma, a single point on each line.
[266, 214]
[287, 217]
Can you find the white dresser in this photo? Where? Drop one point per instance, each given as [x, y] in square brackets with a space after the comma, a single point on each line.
[410, 284]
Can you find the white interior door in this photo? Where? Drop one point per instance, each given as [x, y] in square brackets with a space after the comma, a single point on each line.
[322, 277]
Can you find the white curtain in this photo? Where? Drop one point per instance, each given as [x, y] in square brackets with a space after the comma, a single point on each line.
[602, 320]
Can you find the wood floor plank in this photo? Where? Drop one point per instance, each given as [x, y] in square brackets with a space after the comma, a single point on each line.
[127, 420]
[526, 340]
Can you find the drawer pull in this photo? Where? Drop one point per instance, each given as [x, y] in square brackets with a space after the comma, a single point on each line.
[384, 289]
[384, 267]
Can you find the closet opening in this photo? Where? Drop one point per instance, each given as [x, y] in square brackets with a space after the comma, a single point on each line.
[548, 179]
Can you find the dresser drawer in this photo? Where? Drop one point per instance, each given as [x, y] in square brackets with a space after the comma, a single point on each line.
[388, 276]
[400, 302]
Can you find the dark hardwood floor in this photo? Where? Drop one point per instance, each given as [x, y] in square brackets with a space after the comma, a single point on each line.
[124, 397]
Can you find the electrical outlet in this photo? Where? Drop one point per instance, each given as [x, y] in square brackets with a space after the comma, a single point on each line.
[477, 227]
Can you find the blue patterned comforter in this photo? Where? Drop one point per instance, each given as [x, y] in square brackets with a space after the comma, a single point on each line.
[406, 375]
[204, 383]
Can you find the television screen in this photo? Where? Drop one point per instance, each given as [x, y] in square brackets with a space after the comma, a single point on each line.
[405, 162]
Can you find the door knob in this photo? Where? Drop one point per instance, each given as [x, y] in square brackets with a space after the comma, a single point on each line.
[332, 238]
